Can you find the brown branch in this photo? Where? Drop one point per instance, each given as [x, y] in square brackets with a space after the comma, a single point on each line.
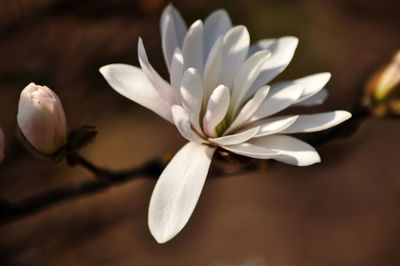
[225, 164]
[13, 211]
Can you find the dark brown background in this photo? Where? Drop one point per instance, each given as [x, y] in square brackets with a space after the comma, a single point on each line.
[344, 211]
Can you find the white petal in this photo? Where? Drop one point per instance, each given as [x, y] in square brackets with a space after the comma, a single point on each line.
[131, 82]
[212, 69]
[291, 150]
[282, 51]
[215, 26]
[251, 150]
[178, 190]
[182, 123]
[281, 96]
[236, 138]
[274, 125]
[312, 84]
[193, 47]
[173, 30]
[317, 122]
[245, 78]
[162, 87]
[192, 95]
[316, 99]
[176, 72]
[249, 108]
[236, 45]
[179, 22]
[216, 110]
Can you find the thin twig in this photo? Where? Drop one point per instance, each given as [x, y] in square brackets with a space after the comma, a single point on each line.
[12, 211]
[152, 169]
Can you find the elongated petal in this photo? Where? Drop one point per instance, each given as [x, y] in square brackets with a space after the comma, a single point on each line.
[245, 78]
[179, 22]
[159, 84]
[291, 150]
[280, 97]
[178, 190]
[236, 138]
[249, 108]
[316, 99]
[274, 125]
[192, 96]
[235, 47]
[215, 26]
[173, 30]
[216, 109]
[131, 82]
[317, 122]
[182, 123]
[312, 84]
[251, 150]
[212, 69]
[193, 47]
[282, 51]
[176, 72]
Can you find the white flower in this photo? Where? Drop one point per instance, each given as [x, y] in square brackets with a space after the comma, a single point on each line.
[41, 118]
[217, 97]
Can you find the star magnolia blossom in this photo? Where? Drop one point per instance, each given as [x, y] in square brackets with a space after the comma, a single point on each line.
[217, 97]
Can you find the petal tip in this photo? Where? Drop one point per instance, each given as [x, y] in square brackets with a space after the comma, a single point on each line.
[344, 114]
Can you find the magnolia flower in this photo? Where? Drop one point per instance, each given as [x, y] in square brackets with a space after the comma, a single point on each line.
[41, 119]
[2, 145]
[218, 97]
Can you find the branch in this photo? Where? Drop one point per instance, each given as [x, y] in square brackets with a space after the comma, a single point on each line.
[225, 164]
[12, 211]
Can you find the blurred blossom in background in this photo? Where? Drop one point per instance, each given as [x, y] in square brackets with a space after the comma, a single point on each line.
[344, 211]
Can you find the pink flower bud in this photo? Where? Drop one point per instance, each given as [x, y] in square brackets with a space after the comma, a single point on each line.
[41, 118]
[2, 145]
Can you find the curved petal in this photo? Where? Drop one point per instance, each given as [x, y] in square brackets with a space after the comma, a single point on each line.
[251, 150]
[192, 95]
[282, 51]
[281, 96]
[193, 47]
[236, 138]
[236, 45]
[177, 190]
[215, 26]
[312, 84]
[217, 107]
[212, 69]
[317, 122]
[162, 87]
[182, 123]
[173, 30]
[249, 108]
[131, 82]
[177, 72]
[291, 150]
[274, 125]
[245, 78]
[316, 99]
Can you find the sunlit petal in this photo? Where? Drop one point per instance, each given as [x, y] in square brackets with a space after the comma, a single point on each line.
[131, 82]
[177, 190]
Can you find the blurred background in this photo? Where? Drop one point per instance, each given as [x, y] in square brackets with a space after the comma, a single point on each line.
[344, 211]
